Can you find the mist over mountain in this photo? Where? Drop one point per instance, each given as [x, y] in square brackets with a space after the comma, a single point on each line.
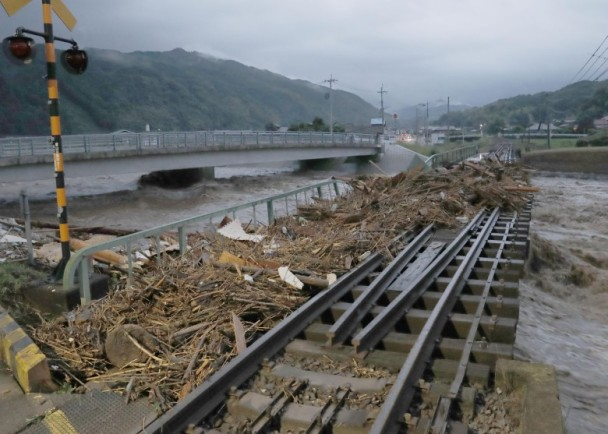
[184, 91]
[170, 91]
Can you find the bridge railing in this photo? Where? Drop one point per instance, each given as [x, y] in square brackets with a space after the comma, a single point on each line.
[92, 143]
[258, 212]
[452, 156]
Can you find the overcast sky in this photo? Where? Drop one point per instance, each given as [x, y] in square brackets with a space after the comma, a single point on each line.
[475, 51]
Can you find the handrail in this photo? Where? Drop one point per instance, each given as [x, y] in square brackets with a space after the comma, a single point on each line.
[79, 263]
[138, 142]
[452, 156]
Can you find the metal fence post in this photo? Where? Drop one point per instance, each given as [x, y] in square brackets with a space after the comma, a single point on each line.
[270, 210]
[129, 263]
[85, 286]
[183, 244]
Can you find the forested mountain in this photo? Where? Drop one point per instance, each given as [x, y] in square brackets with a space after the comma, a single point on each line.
[170, 91]
[573, 107]
[183, 91]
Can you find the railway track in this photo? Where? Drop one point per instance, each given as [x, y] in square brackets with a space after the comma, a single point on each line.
[401, 347]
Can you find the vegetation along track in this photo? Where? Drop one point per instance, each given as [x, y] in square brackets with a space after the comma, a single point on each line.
[399, 348]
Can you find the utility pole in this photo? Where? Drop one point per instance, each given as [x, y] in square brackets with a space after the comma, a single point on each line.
[548, 117]
[382, 92]
[448, 119]
[331, 81]
[426, 125]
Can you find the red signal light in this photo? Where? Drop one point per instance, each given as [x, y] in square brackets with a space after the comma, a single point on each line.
[74, 60]
[19, 49]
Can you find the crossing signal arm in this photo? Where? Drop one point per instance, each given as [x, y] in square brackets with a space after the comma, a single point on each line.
[60, 9]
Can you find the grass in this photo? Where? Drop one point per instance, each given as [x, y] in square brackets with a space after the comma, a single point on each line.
[14, 278]
[579, 160]
[540, 144]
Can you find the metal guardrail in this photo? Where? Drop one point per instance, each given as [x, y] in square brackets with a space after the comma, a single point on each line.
[88, 144]
[79, 268]
[453, 156]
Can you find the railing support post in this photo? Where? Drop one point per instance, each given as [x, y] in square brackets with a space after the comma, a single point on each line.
[270, 211]
[84, 283]
[183, 245]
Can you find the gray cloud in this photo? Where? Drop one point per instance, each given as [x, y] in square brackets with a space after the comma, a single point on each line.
[475, 51]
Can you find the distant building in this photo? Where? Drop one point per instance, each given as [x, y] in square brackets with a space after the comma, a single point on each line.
[377, 125]
[542, 128]
[601, 123]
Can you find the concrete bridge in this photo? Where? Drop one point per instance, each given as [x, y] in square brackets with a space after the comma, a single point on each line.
[31, 158]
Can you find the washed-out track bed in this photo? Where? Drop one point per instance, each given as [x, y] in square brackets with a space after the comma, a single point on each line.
[400, 347]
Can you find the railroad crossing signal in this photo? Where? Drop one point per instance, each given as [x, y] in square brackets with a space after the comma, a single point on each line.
[60, 9]
[21, 49]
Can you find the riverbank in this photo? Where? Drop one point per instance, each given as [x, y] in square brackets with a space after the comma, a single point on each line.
[589, 160]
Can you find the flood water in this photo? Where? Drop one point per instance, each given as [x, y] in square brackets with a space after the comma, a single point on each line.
[564, 294]
[118, 201]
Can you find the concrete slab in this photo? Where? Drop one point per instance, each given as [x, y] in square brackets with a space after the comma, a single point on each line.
[95, 412]
[22, 356]
[541, 409]
[17, 409]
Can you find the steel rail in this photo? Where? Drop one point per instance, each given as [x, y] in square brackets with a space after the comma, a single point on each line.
[278, 404]
[371, 334]
[442, 410]
[399, 397]
[350, 320]
[206, 397]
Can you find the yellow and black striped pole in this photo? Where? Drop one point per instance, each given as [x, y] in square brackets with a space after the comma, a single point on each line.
[53, 91]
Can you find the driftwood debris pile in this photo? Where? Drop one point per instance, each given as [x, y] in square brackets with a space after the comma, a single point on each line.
[177, 323]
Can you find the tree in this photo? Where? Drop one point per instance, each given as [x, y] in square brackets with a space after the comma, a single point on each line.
[317, 124]
[520, 120]
[495, 126]
[271, 126]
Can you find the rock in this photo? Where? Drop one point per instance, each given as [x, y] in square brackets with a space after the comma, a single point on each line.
[121, 350]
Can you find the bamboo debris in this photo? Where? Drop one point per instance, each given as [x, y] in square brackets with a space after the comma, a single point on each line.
[205, 306]
[106, 256]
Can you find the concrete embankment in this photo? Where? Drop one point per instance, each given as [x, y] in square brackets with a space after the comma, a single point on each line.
[581, 160]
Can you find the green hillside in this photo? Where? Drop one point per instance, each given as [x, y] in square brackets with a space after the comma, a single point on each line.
[170, 91]
[573, 108]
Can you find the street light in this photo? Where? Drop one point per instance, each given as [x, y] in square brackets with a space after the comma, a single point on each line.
[21, 50]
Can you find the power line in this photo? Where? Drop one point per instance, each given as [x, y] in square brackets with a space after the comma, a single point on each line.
[601, 75]
[597, 59]
[589, 60]
[601, 65]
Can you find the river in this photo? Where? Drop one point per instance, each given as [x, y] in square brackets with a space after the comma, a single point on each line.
[564, 295]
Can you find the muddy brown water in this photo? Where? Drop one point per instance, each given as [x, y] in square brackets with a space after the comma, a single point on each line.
[564, 295]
